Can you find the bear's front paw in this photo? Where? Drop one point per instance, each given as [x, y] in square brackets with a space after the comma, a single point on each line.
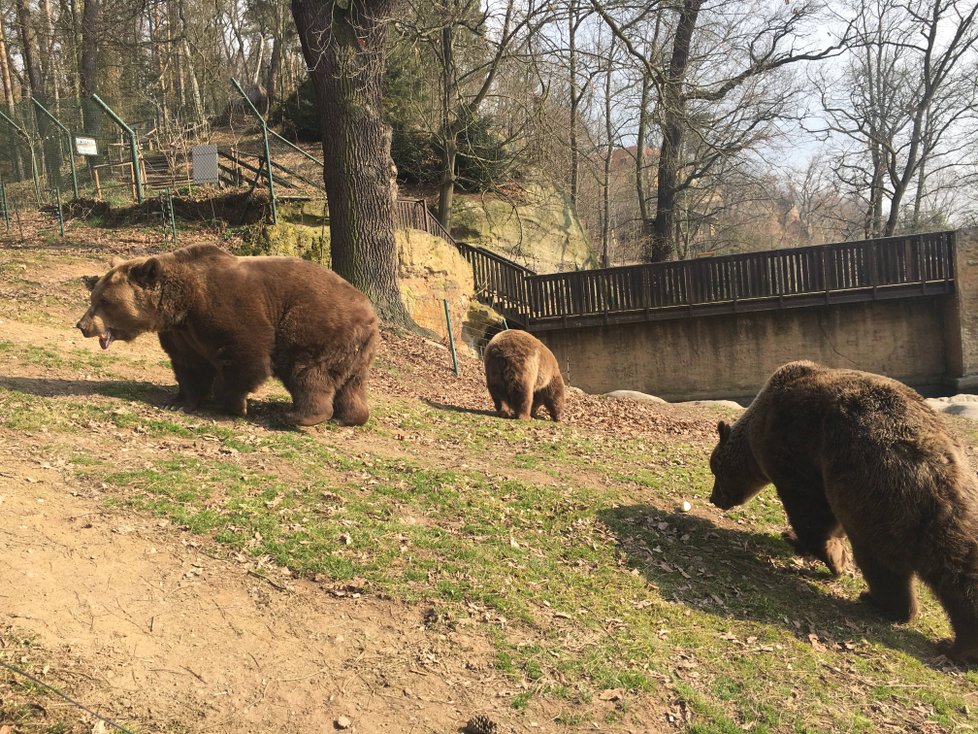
[837, 556]
[182, 403]
[961, 653]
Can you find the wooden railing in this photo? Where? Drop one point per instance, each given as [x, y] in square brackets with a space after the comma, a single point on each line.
[849, 271]
[414, 214]
[499, 282]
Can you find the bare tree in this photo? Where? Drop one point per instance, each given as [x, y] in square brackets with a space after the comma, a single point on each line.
[905, 102]
[711, 82]
[343, 42]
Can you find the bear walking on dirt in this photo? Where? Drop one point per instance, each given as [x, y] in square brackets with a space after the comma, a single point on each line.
[522, 374]
[229, 323]
[857, 454]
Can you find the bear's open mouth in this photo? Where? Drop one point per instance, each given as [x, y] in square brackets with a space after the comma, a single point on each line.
[105, 339]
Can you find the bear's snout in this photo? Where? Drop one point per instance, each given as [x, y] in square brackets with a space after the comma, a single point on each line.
[717, 499]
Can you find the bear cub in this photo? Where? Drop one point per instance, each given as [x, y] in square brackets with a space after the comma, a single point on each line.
[229, 323]
[522, 374]
[857, 454]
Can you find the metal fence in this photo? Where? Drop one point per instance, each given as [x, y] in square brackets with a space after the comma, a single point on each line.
[131, 149]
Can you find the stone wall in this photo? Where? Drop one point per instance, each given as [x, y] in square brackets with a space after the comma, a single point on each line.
[731, 356]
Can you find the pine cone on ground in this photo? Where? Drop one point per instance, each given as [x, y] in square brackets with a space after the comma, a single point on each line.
[481, 724]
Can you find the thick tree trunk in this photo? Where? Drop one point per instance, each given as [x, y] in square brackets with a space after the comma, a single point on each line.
[673, 120]
[8, 91]
[344, 43]
[88, 69]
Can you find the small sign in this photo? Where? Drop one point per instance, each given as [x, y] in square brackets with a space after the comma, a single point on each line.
[86, 146]
[205, 165]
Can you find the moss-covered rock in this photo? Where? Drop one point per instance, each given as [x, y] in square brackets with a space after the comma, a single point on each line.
[539, 229]
[481, 324]
[302, 231]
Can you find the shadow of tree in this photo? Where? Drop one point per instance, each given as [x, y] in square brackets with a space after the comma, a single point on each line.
[751, 576]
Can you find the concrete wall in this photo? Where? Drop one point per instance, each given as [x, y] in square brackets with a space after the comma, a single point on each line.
[731, 356]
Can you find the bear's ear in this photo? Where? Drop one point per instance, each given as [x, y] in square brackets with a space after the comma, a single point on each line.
[723, 428]
[116, 261]
[90, 281]
[146, 273]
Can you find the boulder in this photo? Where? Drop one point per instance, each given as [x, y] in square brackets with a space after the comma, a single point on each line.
[431, 270]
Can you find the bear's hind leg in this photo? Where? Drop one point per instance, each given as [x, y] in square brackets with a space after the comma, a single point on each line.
[350, 403]
[958, 593]
[313, 390]
[891, 591]
[552, 398]
[521, 401]
[499, 399]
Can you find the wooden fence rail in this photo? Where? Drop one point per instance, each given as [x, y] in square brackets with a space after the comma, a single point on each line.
[889, 267]
[846, 271]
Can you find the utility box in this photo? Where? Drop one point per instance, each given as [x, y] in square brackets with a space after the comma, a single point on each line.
[206, 169]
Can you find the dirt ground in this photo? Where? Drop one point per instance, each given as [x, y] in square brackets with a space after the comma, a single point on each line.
[162, 631]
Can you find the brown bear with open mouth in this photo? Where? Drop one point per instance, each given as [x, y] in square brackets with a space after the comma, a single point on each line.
[857, 454]
[522, 374]
[229, 323]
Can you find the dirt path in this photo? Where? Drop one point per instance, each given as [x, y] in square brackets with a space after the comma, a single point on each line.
[150, 629]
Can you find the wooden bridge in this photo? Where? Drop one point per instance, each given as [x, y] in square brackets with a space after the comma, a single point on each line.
[847, 272]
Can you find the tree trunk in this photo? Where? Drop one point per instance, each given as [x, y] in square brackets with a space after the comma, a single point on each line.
[88, 70]
[608, 155]
[673, 120]
[272, 80]
[446, 188]
[343, 42]
[5, 79]
[191, 67]
[28, 45]
[640, 189]
[575, 100]
[8, 91]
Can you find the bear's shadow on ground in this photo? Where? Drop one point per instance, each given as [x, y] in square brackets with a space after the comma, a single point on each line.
[268, 413]
[458, 408]
[730, 573]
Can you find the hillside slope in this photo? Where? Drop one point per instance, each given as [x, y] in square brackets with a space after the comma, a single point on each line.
[195, 573]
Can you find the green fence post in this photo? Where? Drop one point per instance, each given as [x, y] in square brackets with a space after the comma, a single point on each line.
[172, 217]
[268, 151]
[451, 338]
[61, 216]
[30, 146]
[133, 145]
[3, 203]
[71, 144]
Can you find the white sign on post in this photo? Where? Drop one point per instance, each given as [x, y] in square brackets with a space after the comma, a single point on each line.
[205, 165]
[86, 146]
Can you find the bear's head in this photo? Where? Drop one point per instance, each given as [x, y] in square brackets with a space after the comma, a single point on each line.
[736, 475]
[125, 302]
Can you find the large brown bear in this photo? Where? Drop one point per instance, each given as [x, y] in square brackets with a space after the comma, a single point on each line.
[857, 454]
[522, 374]
[228, 323]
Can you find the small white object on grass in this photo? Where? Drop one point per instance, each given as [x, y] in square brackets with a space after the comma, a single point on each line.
[685, 506]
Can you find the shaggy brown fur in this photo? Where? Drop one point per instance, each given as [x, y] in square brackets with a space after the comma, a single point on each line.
[857, 454]
[229, 323]
[522, 374]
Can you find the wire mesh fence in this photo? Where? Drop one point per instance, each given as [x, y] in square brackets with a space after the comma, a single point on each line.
[131, 148]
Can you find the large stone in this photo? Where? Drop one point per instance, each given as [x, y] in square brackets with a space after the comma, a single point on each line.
[481, 324]
[430, 271]
[640, 397]
[538, 230]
